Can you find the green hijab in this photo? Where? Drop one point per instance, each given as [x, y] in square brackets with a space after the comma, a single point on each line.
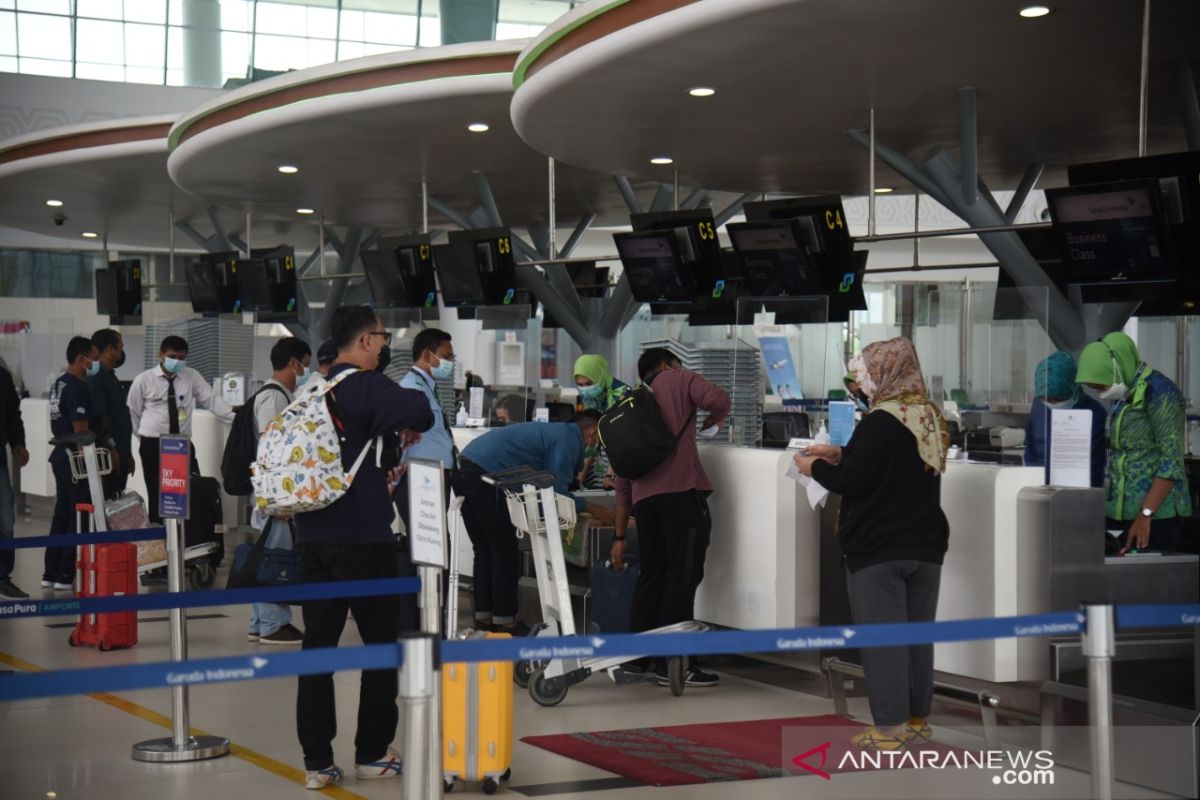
[595, 369]
[1096, 362]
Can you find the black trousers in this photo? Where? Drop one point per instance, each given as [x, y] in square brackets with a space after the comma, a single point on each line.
[148, 450]
[410, 612]
[673, 535]
[497, 556]
[1164, 533]
[60, 561]
[116, 481]
[377, 619]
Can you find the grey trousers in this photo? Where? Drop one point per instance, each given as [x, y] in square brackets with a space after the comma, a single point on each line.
[899, 679]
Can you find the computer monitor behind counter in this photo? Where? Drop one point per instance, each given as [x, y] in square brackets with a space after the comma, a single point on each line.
[775, 257]
[655, 266]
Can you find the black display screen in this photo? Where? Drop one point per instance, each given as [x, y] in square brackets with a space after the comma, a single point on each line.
[490, 252]
[656, 272]
[106, 292]
[202, 286]
[218, 273]
[1111, 232]
[774, 259]
[457, 276]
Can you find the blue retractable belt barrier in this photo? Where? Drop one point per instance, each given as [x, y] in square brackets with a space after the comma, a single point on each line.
[12, 609]
[76, 539]
[764, 641]
[204, 670]
[1173, 616]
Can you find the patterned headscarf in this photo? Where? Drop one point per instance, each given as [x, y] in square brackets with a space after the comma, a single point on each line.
[1055, 377]
[900, 391]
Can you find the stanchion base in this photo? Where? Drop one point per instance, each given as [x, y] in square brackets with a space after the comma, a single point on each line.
[199, 748]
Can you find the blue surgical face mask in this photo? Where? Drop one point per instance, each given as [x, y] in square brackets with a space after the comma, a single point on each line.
[444, 371]
[94, 369]
[591, 392]
[174, 365]
[303, 377]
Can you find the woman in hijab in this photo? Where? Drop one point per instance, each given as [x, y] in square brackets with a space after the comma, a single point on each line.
[1147, 486]
[598, 391]
[892, 531]
[1055, 388]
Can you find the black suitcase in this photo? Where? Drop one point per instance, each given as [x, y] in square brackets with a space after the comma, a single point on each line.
[205, 516]
[612, 596]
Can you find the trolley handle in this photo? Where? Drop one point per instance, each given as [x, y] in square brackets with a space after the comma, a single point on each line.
[519, 477]
[81, 439]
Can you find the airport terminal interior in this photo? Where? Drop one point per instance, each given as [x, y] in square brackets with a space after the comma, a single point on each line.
[976, 221]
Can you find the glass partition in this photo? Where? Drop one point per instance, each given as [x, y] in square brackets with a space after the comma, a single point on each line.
[1009, 338]
[507, 364]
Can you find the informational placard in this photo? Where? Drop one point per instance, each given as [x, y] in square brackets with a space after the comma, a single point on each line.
[937, 388]
[475, 403]
[1070, 448]
[841, 422]
[233, 389]
[427, 513]
[174, 476]
[541, 415]
[781, 369]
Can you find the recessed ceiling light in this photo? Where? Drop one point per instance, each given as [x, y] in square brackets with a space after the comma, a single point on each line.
[661, 160]
[1033, 12]
[702, 91]
[883, 190]
[288, 169]
[478, 127]
[54, 203]
[89, 235]
[305, 211]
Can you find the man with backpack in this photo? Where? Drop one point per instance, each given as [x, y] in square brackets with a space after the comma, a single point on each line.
[270, 623]
[670, 502]
[351, 540]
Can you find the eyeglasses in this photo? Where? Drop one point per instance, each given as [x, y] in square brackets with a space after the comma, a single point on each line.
[387, 337]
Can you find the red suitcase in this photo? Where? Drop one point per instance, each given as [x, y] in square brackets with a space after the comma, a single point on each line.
[106, 570]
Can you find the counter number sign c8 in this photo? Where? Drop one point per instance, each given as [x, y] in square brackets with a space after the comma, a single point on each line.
[707, 231]
[833, 219]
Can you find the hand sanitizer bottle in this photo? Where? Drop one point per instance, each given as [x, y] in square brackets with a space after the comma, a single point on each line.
[822, 434]
[460, 419]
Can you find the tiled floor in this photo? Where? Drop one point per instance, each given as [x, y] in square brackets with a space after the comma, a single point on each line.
[78, 747]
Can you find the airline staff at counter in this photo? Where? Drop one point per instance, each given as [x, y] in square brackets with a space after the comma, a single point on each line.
[1055, 389]
[1147, 487]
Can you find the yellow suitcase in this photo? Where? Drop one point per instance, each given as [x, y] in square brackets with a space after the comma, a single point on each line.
[477, 721]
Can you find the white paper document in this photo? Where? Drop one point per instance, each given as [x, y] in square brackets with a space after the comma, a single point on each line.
[817, 494]
[1071, 448]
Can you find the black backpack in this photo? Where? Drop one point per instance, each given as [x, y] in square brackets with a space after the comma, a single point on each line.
[635, 435]
[241, 448]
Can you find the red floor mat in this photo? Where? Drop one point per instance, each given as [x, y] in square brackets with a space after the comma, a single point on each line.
[723, 751]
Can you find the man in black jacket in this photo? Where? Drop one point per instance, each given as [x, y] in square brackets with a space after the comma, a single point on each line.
[12, 435]
[114, 426]
[352, 540]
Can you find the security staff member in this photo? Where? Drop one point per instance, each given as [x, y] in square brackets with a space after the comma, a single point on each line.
[114, 426]
[70, 412]
[162, 402]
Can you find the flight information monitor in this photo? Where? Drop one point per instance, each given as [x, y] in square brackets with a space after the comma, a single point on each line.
[215, 274]
[490, 251]
[457, 276]
[655, 267]
[267, 281]
[775, 259]
[119, 291]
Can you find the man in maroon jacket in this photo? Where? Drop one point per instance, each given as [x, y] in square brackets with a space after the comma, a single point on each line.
[671, 505]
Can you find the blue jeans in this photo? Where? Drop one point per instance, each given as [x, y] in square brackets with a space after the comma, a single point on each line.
[8, 520]
[267, 618]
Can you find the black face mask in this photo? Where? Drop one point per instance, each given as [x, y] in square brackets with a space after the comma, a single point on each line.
[385, 358]
[120, 361]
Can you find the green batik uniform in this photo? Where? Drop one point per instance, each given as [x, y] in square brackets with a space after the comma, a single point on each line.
[1146, 441]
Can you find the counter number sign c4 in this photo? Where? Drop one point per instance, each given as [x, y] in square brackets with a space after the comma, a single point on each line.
[833, 219]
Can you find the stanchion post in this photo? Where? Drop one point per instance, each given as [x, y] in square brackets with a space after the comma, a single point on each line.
[431, 624]
[174, 486]
[1099, 647]
[418, 678]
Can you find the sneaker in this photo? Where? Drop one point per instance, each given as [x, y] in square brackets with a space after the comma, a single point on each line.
[287, 635]
[874, 739]
[12, 591]
[917, 731]
[696, 678]
[47, 584]
[251, 637]
[390, 766]
[64, 587]
[323, 777]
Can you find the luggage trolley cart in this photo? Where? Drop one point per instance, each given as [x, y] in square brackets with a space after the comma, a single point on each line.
[537, 511]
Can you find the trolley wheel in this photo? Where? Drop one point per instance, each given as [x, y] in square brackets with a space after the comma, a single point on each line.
[542, 695]
[490, 786]
[203, 575]
[71, 640]
[677, 674]
[521, 672]
[507, 774]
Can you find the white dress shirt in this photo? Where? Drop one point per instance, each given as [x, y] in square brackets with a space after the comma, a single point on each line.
[148, 401]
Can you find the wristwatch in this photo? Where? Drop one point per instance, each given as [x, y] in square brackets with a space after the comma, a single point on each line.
[1147, 512]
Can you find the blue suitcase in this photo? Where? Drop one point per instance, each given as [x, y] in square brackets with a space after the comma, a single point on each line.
[612, 595]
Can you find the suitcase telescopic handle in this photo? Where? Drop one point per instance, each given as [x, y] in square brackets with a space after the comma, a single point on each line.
[81, 439]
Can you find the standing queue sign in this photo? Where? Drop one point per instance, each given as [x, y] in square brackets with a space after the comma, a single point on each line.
[174, 495]
[174, 482]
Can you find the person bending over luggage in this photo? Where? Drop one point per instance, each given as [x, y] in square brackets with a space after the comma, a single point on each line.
[670, 503]
[71, 412]
[351, 540]
[555, 447]
[892, 531]
[271, 623]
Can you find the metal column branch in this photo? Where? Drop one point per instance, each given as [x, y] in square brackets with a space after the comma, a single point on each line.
[968, 134]
[223, 240]
[695, 199]
[347, 251]
[1029, 180]
[572, 321]
[626, 190]
[581, 227]
[733, 209]
[1189, 105]
[663, 198]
